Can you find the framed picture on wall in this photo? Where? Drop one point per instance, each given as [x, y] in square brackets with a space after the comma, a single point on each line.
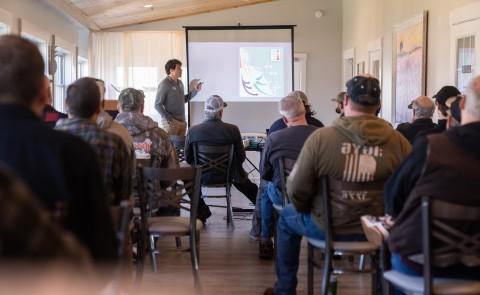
[409, 65]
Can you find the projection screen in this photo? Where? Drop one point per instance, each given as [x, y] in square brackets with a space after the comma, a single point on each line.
[241, 63]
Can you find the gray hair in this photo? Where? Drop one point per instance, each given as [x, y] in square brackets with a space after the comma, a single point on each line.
[213, 115]
[291, 106]
[472, 104]
[423, 107]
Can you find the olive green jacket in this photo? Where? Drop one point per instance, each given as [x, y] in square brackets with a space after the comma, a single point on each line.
[357, 154]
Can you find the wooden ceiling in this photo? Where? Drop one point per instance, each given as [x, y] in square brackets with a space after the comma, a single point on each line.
[107, 14]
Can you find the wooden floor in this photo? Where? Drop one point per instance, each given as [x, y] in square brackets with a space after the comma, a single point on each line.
[229, 264]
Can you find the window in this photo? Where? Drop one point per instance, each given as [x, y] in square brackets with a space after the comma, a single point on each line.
[4, 29]
[59, 80]
[348, 69]
[42, 47]
[465, 61]
[82, 67]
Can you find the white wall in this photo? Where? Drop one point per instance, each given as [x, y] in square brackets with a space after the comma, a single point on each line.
[321, 39]
[366, 20]
[47, 19]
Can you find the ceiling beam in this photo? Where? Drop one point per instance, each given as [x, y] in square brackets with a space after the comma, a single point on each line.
[73, 13]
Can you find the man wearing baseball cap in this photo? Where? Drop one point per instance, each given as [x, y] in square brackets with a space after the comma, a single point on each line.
[446, 167]
[213, 131]
[357, 155]
[149, 140]
[339, 101]
[423, 109]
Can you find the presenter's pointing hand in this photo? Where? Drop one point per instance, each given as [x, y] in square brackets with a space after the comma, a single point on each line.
[196, 84]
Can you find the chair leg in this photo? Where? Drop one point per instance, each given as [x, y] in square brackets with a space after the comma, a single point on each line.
[374, 271]
[178, 242]
[310, 269]
[194, 252]
[229, 208]
[361, 263]
[198, 247]
[327, 268]
[153, 253]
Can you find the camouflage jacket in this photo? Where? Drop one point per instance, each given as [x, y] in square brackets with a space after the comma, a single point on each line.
[149, 140]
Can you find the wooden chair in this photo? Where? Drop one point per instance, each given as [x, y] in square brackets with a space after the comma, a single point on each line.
[178, 142]
[217, 161]
[171, 185]
[445, 242]
[329, 247]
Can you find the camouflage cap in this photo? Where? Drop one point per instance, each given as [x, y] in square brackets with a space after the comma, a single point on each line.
[131, 99]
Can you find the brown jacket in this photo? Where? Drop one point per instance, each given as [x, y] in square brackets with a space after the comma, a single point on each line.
[357, 154]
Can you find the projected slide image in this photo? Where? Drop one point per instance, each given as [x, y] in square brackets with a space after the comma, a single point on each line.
[261, 72]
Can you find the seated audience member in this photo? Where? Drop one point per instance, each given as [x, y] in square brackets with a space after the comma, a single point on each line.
[60, 169]
[213, 131]
[444, 166]
[27, 232]
[106, 122]
[309, 113]
[285, 143]
[423, 109]
[442, 99]
[278, 125]
[357, 154]
[400, 184]
[339, 101]
[149, 140]
[83, 102]
[50, 115]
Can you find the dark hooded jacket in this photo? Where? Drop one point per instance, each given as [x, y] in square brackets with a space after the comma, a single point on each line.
[357, 154]
[445, 167]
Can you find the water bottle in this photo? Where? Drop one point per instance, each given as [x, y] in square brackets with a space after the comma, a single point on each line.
[332, 286]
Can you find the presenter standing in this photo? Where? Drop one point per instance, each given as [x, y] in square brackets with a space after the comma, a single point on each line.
[170, 100]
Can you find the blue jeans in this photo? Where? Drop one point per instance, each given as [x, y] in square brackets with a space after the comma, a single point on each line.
[270, 196]
[398, 265]
[291, 227]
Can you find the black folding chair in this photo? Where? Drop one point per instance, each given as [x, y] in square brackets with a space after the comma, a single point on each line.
[216, 161]
[285, 165]
[179, 144]
[172, 186]
[329, 247]
[451, 235]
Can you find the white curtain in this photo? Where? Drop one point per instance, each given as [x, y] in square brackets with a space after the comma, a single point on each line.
[135, 59]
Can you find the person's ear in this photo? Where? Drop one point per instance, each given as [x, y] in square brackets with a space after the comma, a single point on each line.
[346, 100]
[463, 102]
[142, 108]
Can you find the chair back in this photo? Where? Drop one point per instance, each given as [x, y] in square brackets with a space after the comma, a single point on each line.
[178, 142]
[121, 216]
[216, 160]
[451, 235]
[285, 165]
[327, 214]
[171, 185]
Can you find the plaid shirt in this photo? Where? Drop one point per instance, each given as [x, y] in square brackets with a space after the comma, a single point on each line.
[27, 231]
[114, 157]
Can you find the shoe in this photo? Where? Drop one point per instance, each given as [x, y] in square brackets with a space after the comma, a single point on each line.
[266, 250]
[203, 217]
[254, 237]
[269, 291]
